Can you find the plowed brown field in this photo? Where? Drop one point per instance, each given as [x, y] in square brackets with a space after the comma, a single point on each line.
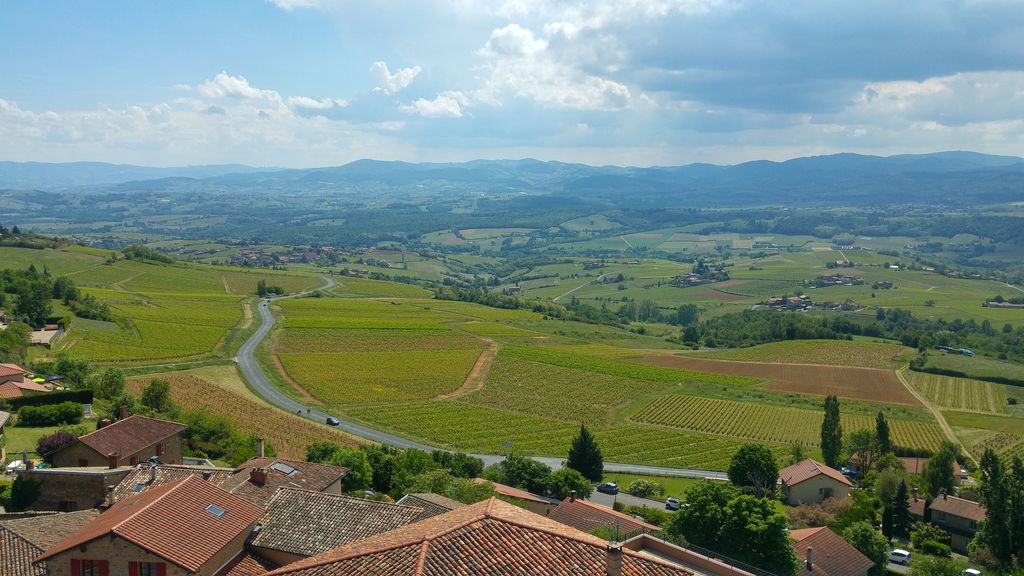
[869, 384]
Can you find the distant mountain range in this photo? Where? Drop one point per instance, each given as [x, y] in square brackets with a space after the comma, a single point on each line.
[848, 179]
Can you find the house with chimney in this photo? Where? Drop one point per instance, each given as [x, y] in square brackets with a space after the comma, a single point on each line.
[489, 537]
[588, 517]
[825, 553]
[75, 488]
[182, 528]
[811, 482]
[129, 441]
[958, 517]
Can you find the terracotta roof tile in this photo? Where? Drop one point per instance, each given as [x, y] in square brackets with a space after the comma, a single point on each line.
[247, 564]
[281, 473]
[9, 390]
[172, 521]
[23, 539]
[807, 469]
[432, 504]
[11, 370]
[309, 523]
[587, 516]
[490, 537]
[959, 507]
[513, 492]
[139, 479]
[131, 435]
[831, 556]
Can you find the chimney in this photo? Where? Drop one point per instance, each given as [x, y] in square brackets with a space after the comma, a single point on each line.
[112, 460]
[152, 473]
[123, 413]
[810, 562]
[915, 494]
[260, 451]
[103, 423]
[572, 496]
[109, 500]
[613, 560]
[25, 460]
[258, 476]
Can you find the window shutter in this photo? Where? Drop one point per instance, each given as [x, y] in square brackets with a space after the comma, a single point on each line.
[161, 569]
[133, 568]
[76, 567]
[104, 567]
[159, 448]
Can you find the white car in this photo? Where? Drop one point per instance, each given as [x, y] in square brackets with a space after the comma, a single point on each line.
[898, 556]
[972, 572]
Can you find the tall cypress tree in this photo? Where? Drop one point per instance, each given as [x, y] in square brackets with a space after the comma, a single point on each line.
[1016, 508]
[882, 433]
[831, 433]
[585, 456]
[995, 496]
[901, 519]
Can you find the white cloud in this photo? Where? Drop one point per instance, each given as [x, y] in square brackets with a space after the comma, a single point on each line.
[446, 104]
[392, 83]
[289, 5]
[224, 85]
[314, 104]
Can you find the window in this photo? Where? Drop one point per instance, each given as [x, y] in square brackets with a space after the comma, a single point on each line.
[974, 525]
[942, 515]
[134, 460]
[147, 569]
[159, 448]
[88, 567]
[67, 506]
[83, 462]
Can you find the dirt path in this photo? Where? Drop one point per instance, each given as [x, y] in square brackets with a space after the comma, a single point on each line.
[623, 238]
[598, 279]
[478, 375]
[946, 429]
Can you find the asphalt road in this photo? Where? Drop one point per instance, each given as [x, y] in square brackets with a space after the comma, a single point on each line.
[627, 499]
[259, 383]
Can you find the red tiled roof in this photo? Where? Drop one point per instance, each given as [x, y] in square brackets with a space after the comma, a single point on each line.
[490, 537]
[10, 390]
[172, 521]
[23, 539]
[917, 466]
[11, 370]
[807, 469]
[26, 384]
[959, 507]
[513, 492]
[138, 479]
[831, 555]
[432, 504]
[304, 475]
[129, 436]
[247, 564]
[587, 516]
[917, 507]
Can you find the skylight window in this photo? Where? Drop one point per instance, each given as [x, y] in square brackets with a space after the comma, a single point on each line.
[139, 486]
[216, 510]
[283, 468]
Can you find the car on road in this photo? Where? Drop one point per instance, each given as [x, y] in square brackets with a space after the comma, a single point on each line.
[332, 421]
[899, 556]
[608, 488]
[671, 503]
[971, 572]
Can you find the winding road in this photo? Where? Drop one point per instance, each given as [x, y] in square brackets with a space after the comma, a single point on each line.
[262, 386]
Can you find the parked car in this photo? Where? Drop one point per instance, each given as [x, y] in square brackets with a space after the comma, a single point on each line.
[899, 556]
[608, 488]
[971, 572]
[332, 421]
[672, 503]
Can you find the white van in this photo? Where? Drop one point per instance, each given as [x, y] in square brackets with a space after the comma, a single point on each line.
[898, 556]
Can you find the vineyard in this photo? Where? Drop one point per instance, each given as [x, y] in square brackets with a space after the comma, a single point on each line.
[959, 393]
[845, 382]
[771, 423]
[309, 340]
[287, 433]
[352, 286]
[825, 352]
[557, 392]
[470, 428]
[1007, 446]
[620, 368]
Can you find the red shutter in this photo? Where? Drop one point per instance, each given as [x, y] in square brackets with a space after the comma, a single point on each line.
[83, 462]
[104, 567]
[134, 460]
[133, 568]
[159, 448]
[76, 567]
[161, 569]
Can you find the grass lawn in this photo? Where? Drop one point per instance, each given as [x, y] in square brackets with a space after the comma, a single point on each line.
[674, 485]
[19, 439]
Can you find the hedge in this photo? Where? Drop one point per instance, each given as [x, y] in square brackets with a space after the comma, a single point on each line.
[79, 396]
[50, 415]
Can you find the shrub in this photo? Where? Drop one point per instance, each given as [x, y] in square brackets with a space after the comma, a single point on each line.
[934, 548]
[51, 415]
[923, 532]
[645, 488]
[51, 442]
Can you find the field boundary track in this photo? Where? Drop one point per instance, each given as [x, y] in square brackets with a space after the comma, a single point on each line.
[943, 425]
[478, 374]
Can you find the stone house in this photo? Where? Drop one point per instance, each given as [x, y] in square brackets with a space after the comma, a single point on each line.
[958, 517]
[127, 442]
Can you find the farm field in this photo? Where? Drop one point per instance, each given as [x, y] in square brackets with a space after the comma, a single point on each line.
[770, 423]
[856, 353]
[845, 382]
[978, 367]
[961, 394]
[215, 390]
[352, 286]
[1003, 434]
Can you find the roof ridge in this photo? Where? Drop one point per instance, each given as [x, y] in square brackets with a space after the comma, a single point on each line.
[422, 560]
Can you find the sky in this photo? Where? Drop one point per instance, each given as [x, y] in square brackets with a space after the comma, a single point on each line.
[301, 83]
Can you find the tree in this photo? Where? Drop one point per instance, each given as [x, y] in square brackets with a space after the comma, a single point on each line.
[1016, 509]
[15, 340]
[459, 464]
[754, 465]
[157, 396]
[261, 288]
[867, 541]
[442, 482]
[585, 456]
[563, 482]
[34, 302]
[526, 473]
[754, 531]
[359, 471]
[929, 566]
[108, 384]
[938, 474]
[863, 445]
[831, 433]
[24, 492]
[882, 434]
[75, 372]
[321, 452]
[45, 445]
[995, 495]
[901, 519]
[686, 315]
[701, 521]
